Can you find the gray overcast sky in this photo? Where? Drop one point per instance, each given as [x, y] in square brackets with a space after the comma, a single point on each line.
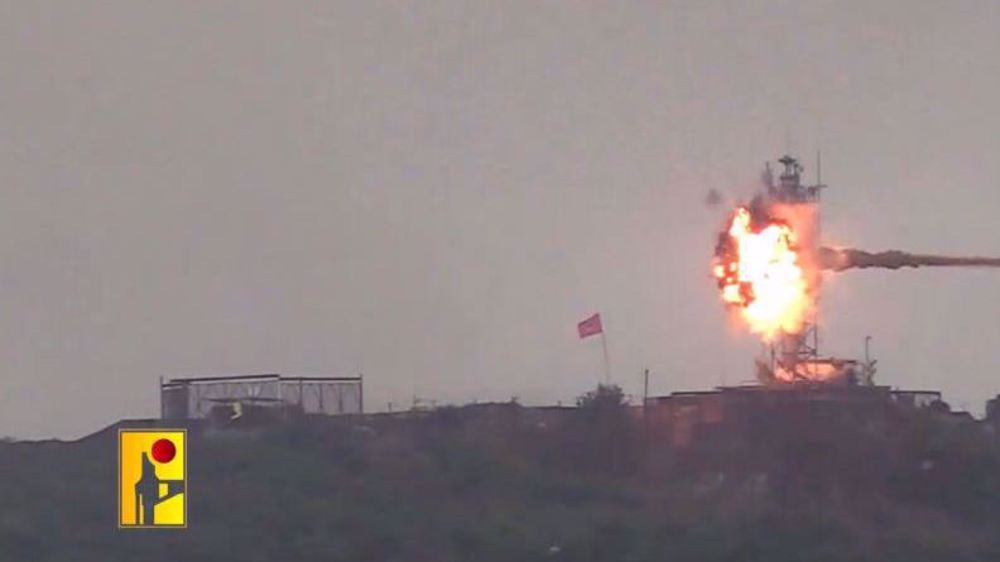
[436, 192]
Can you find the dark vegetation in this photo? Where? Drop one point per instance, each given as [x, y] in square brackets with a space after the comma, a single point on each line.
[502, 482]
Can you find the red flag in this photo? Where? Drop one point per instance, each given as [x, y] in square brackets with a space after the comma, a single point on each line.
[590, 327]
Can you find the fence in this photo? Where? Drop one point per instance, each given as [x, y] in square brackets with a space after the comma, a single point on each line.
[191, 398]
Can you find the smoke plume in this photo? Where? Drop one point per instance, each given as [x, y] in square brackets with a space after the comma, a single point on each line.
[840, 259]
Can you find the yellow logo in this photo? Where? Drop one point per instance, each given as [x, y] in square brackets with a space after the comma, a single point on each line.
[152, 478]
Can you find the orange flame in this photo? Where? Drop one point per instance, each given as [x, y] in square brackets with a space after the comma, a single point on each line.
[760, 272]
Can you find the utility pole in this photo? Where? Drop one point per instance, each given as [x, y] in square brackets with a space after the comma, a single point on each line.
[645, 391]
[361, 393]
[645, 407]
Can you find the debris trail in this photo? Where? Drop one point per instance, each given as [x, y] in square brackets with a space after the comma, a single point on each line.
[840, 259]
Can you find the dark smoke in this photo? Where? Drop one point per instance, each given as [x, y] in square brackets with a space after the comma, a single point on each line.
[850, 258]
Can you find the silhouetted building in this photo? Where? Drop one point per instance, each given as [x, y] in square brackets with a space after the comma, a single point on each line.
[684, 417]
[259, 397]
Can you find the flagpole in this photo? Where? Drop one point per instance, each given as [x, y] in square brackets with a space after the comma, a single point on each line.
[607, 362]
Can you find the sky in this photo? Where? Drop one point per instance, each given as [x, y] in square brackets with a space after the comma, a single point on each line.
[434, 193]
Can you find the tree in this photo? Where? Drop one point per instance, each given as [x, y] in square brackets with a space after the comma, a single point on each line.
[606, 399]
[606, 429]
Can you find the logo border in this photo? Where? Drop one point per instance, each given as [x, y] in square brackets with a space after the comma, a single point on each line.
[118, 514]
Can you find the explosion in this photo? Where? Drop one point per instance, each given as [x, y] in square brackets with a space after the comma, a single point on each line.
[769, 265]
[759, 270]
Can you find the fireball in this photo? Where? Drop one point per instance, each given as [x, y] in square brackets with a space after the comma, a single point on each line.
[759, 271]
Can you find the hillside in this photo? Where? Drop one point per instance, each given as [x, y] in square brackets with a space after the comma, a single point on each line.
[501, 483]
